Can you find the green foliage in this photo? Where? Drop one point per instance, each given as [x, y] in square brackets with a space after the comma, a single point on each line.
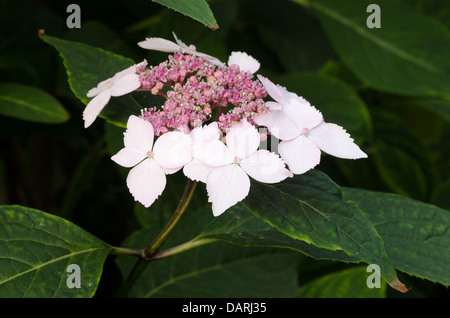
[388, 87]
[398, 62]
[37, 248]
[196, 9]
[30, 103]
[416, 234]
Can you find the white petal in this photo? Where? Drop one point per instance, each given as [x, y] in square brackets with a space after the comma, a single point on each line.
[203, 135]
[139, 135]
[226, 186]
[146, 182]
[207, 57]
[159, 44]
[335, 141]
[215, 154]
[125, 85]
[279, 93]
[302, 113]
[300, 154]
[243, 139]
[173, 149]
[94, 107]
[273, 106]
[171, 170]
[97, 90]
[196, 170]
[128, 71]
[279, 125]
[244, 61]
[265, 166]
[128, 157]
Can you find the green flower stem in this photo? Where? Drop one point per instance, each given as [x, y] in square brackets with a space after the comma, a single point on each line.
[183, 247]
[146, 255]
[161, 238]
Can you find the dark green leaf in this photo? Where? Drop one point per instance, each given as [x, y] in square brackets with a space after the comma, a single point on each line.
[407, 55]
[196, 9]
[215, 270]
[239, 226]
[87, 66]
[31, 104]
[309, 207]
[416, 234]
[36, 249]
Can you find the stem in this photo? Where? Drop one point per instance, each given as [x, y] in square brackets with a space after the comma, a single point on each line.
[161, 238]
[182, 247]
[126, 251]
[145, 256]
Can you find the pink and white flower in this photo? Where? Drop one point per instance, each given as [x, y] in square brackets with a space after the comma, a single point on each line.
[303, 131]
[121, 83]
[232, 164]
[151, 161]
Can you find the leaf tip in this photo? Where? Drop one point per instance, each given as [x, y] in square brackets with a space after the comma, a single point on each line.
[41, 32]
[398, 285]
[213, 27]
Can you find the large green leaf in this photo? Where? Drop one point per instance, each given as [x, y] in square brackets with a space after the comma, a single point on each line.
[407, 55]
[36, 250]
[239, 226]
[309, 207]
[196, 9]
[214, 270]
[416, 234]
[87, 66]
[31, 104]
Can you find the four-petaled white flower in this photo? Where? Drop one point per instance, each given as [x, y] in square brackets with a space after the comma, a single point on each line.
[303, 131]
[244, 61]
[228, 181]
[121, 83]
[151, 161]
[163, 45]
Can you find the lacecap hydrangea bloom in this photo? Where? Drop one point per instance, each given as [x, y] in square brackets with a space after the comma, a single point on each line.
[208, 126]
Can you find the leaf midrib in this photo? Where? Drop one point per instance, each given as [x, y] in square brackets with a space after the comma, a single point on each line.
[26, 104]
[376, 40]
[198, 271]
[54, 260]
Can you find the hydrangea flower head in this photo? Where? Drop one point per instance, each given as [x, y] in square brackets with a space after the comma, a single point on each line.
[208, 126]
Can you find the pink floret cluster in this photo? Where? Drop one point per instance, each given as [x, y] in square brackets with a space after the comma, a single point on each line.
[197, 91]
